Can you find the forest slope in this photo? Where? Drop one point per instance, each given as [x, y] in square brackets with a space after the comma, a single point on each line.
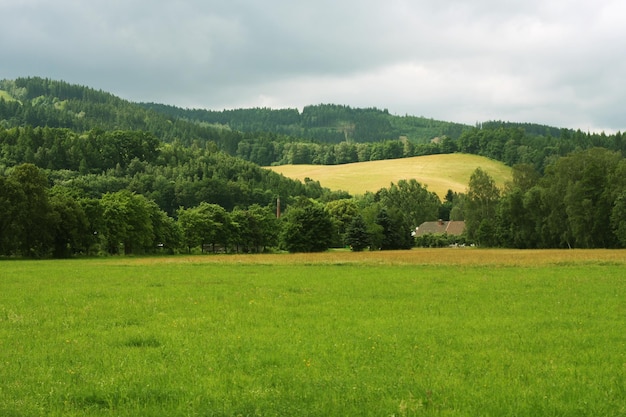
[439, 172]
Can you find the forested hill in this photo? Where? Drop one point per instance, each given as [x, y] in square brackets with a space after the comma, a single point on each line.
[330, 134]
[321, 134]
[93, 143]
[40, 102]
[324, 123]
[262, 136]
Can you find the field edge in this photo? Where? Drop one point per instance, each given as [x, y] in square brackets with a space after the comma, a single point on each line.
[417, 256]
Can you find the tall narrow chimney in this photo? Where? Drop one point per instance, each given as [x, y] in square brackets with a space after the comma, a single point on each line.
[278, 207]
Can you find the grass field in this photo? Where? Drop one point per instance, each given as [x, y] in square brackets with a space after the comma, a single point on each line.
[449, 332]
[439, 172]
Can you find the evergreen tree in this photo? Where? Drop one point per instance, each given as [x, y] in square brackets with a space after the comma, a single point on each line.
[11, 196]
[357, 236]
[395, 234]
[618, 218]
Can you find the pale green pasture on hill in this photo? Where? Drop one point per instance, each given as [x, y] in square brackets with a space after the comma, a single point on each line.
[439, 172]
[185, 337]
[5, 95]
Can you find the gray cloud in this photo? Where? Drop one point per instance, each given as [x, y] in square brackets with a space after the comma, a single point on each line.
[558, 62]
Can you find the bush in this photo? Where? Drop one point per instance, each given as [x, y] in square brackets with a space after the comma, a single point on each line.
[439, 240]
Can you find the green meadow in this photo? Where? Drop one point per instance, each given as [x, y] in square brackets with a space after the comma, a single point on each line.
[443, 333]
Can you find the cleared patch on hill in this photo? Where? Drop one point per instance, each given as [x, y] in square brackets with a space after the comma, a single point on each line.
[6, 96]
[439, 173]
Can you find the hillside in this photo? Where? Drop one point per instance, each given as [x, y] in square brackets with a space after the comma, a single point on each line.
[324, 134]
[94, 143]
[324, 123]
[5, 95]
[75, 161]
[439, 172]
[40, 102]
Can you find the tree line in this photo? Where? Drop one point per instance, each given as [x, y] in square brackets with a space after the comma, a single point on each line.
[580, 202]
[322, 123]
[267, 150]
[43, 218]
[171, 174]
[514, 143]
[40, 221]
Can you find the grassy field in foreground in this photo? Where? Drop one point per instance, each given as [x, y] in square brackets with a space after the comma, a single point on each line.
[424, 332]
[439, 172]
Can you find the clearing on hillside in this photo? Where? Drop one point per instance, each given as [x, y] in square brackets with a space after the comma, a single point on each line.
[439, 173]
[6, 96]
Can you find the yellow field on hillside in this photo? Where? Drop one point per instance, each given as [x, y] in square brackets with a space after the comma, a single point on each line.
[439, 173]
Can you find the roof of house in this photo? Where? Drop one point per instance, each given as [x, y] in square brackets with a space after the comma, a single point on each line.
[440, 227]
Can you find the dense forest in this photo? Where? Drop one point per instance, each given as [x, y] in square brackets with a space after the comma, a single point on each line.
[332, 134]
[83, 172]
[323, 123]
[320, 134]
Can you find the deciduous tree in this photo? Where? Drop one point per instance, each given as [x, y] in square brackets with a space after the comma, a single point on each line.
[306, 227]
[480, 208]
[32, 213]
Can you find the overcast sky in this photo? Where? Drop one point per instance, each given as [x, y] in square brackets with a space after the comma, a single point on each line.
[555, 62]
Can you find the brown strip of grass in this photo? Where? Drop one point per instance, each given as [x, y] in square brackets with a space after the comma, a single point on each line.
[446, 256]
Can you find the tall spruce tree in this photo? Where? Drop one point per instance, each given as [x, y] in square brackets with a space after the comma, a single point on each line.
[357, 236]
